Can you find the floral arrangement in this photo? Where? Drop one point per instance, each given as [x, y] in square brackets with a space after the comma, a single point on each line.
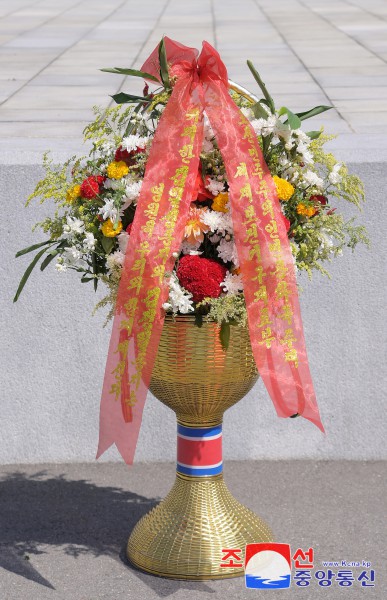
[96, 197]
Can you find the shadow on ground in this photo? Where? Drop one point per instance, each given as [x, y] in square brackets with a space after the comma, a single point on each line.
[75, 515]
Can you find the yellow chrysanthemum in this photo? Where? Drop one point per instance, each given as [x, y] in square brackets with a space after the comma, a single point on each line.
[117, 170]
[73, 193]
[108, 228]
[285, 190]
[220, 202]
[195, 228]
[307, 211]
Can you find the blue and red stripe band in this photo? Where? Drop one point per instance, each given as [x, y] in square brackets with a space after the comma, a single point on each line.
[199, 450]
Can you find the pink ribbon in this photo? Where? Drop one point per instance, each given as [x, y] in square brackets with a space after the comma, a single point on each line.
[270, 289]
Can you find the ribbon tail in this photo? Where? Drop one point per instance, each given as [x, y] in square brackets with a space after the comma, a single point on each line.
[267, 267]
[157, 233]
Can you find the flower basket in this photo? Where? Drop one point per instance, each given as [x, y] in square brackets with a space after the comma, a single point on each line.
[197, 206]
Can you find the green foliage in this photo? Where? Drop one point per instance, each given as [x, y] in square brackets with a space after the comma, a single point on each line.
[54, 185]
[225, 309]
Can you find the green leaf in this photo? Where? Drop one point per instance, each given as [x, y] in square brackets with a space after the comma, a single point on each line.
[95, 266]
[50, 256]
[132, 125]
[123, 98]
[258, 79]
[27, 273]
[31, 248]
[86, 279]
[259, 111]
[293, 120]
[224, 335]
[198, 320]
[313, 134]
[132, 72]
[164, 65]
[107, 244]
[312, 112]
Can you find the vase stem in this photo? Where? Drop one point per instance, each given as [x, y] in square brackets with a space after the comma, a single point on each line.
[199, 450]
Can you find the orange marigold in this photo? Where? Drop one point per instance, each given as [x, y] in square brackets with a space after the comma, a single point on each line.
[220, 202]
[285, 190]
[108, 228]
[307, 211]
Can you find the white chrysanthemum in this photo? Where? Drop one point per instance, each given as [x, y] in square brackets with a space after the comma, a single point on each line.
[306, 154]
[301, 135]
[267, 126]
[226, 224]
[313, 179]
[109, 211]
[89, 241]
[212, 219]
[107, 147]
[187, 248]
[114, 259]
[179, 299]
[217, 222]
[215, 186]
[132, 192]
[232, 284]
[71, 257]
[258, 124]
[227, 251]
[73, 226]
[334, 176]
[132, 142]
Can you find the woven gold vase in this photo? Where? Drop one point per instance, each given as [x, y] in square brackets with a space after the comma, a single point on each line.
[186, 535]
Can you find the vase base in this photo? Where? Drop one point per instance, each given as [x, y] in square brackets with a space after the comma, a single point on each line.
[184, 536]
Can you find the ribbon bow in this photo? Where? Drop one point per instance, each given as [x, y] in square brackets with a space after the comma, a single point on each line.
[200, 83]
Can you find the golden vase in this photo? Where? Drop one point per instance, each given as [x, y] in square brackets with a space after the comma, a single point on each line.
[185, 536]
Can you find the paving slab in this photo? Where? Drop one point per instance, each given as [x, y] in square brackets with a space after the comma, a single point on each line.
[64, 527]
[47, 46]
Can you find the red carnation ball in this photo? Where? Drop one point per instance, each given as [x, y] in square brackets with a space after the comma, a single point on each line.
[90, 187]
[201, 276]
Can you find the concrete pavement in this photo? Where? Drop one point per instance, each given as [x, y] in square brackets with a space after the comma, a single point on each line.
[309, 52]
[64, 527]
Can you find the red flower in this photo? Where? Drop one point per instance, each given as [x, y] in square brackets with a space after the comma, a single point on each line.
[90, 187]
[200, 192]
[323, 200]
[128, 157]
[286, 222]
[201, 276]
